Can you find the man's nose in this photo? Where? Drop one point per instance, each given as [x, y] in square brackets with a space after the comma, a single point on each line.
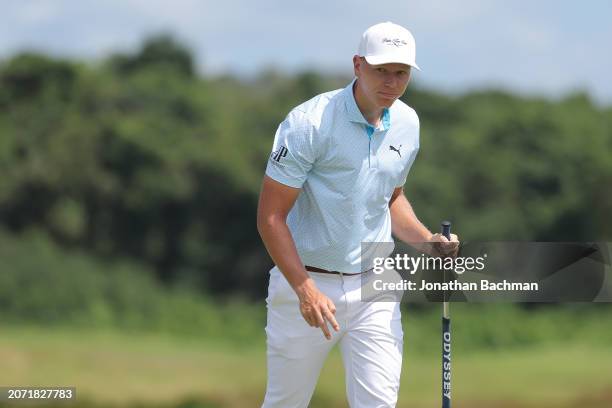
[390, 80]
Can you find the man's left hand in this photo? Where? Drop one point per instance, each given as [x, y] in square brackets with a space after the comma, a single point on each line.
[443, 247]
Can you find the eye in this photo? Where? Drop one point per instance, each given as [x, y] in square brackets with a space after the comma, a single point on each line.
[381, 70]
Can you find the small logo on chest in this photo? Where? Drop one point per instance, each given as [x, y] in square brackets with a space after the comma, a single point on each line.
[396, 149]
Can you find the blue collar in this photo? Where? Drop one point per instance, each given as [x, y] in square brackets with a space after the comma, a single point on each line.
[354, 114]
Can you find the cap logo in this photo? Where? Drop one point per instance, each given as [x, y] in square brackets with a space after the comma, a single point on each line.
[395, 41]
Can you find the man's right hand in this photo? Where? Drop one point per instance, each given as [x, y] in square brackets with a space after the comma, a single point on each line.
[316, 308]
[275, 202]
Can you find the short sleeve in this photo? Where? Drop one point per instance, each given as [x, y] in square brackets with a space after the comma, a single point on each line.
[292, 155]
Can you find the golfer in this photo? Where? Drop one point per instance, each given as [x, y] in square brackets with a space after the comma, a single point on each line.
[334, 180]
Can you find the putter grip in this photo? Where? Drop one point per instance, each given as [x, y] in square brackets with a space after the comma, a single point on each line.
[446, 226]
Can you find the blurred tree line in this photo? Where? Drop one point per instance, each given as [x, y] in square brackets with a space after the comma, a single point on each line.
[139, 158]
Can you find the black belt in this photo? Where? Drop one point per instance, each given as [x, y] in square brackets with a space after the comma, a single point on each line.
[319, 270]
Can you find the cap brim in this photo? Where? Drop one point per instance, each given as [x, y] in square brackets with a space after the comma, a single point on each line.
[389, 59]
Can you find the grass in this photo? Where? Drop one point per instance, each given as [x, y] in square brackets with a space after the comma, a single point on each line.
[126, 369]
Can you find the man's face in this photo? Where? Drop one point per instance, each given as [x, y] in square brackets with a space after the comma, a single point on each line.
[381, 84]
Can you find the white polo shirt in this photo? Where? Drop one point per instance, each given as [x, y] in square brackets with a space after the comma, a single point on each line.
[347, 171]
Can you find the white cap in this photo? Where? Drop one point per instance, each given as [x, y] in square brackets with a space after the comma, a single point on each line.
[386, 43]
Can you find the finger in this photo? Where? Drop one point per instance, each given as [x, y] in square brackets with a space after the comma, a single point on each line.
[441, 246]
[317, 317]
[331, 306]
[447, 249]
[319, 313]
[325, 329]
[331, 319]
[450, 249]
[440, 238]
[451, 246]
[437, 237]
[326, 332]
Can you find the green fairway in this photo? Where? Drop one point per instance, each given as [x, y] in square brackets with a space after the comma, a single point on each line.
[127, 369]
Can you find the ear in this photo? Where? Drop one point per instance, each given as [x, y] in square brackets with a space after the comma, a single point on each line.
[356, 65]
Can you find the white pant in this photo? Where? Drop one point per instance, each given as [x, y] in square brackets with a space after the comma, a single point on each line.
[370, 337]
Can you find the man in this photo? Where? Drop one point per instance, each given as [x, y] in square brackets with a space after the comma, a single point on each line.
[333, 181]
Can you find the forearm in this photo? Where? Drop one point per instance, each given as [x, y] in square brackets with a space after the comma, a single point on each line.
[279, 242]
[404, 222]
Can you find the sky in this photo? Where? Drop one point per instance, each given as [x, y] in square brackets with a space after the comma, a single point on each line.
[537, 47]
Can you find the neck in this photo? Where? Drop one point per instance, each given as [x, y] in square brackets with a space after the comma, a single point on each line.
[370, 112]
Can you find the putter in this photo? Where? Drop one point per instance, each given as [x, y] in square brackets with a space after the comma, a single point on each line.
[446, 338]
